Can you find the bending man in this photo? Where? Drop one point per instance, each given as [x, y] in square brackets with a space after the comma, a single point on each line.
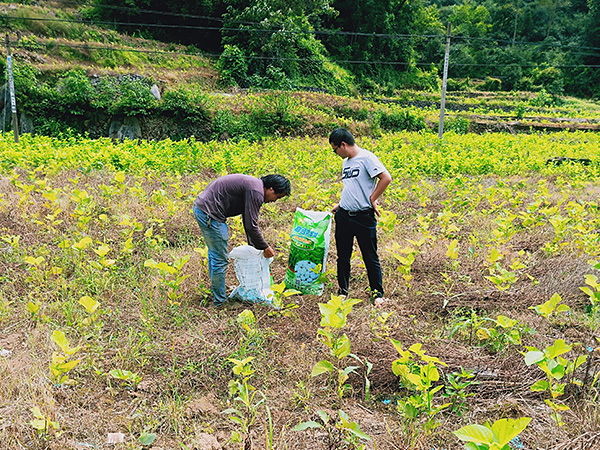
[232, 195]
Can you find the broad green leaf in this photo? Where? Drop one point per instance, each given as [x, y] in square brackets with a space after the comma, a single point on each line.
[147, 438]
[89, 304]
[505, 322]
[452, 251]
[507, 429]
[58, 337]
[540, 386]
[558, 348]
[475, 433]
[321, 367]
[306, 425]
[533, 357]
[343, 349]
[32, 307]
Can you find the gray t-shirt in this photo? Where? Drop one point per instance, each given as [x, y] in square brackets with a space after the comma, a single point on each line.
[232, 195]
[359, 175]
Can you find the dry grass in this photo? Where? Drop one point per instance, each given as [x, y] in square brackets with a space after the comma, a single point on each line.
[181, 351]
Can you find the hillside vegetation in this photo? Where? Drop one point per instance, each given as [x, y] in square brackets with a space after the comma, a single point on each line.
[74, 76]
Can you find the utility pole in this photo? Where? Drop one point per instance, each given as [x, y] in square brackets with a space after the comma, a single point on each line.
[11, 86]
[444, 82]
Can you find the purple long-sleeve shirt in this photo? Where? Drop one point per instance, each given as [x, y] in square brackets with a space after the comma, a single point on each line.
[232, 195]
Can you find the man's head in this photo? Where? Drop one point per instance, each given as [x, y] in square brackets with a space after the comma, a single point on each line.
[276, 187]
[340, 139]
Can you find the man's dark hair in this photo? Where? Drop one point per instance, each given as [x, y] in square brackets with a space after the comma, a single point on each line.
[279, 183]
[340, 135]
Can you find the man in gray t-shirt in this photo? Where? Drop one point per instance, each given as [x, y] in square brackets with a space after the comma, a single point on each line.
[364, 179]
[228, 196]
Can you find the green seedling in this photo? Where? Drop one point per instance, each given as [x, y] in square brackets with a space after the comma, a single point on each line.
[132, 379]
[92, 307]
[551, 308]
[556, 368]
[280, 294]
[593, 292]
[418, 374]
[103, 262]
[342, 431]
[379, 324]
[505, 331]
[333, 319]
[405, 257]
[492, 437]
[60, 364]
[171, 276]
[247, 396]
[41, 423]
[457, 389]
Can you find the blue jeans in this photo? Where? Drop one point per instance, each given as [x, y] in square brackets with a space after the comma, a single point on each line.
[363, 226]
[216, 237]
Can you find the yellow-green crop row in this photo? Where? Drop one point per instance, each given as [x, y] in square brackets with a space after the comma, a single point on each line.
[405, 154]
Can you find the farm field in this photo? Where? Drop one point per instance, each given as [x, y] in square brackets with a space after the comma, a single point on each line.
[489, 248]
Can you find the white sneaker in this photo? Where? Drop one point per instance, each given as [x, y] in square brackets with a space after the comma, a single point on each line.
[380, 301]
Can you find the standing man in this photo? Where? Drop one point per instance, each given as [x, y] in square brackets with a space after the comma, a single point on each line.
[365, 179]
[232, 195]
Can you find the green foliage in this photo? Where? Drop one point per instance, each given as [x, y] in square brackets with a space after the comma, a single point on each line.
[551, 308]
[232, 66]
[333, 319]
[397, 120]
[492, 437]
[342, 431]
[419, 374]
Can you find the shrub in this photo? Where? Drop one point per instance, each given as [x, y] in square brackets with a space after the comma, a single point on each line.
[492, 84]
[397, 120]
[233, 66]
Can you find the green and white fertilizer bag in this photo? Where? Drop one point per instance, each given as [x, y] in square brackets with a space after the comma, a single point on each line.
[310, 238]
[253, 272]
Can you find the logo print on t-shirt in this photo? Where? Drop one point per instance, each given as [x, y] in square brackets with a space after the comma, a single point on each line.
[350, 173]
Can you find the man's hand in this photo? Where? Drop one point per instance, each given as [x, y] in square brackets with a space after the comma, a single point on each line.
[335, 208]
[268, 252]
[376, 209]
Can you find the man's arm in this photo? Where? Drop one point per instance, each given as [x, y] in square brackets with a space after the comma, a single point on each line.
[250, 221]
[384, 181]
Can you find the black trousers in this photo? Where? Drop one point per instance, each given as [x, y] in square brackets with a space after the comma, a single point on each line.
[363, 226]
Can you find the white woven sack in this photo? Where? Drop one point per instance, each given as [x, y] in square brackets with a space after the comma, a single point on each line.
[253, 274]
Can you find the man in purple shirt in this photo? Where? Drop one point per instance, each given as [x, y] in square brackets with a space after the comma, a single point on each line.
[228, 196]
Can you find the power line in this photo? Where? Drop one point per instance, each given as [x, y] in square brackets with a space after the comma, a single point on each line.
[281, 58]
[283, 31]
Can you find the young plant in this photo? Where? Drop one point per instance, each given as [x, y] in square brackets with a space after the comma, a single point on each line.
[555, 367]
[132, 379]
[171, 276]
[418, 376]
[60, 364]
[342, 431]
[41, 423]
[379, 325]
[333, 319]
[92, 307]
[406, 257]
[249, 398]
[457, 389]
[593, 292]
[280, 294]
[551, 308]
[492, 437]
[503, 332]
